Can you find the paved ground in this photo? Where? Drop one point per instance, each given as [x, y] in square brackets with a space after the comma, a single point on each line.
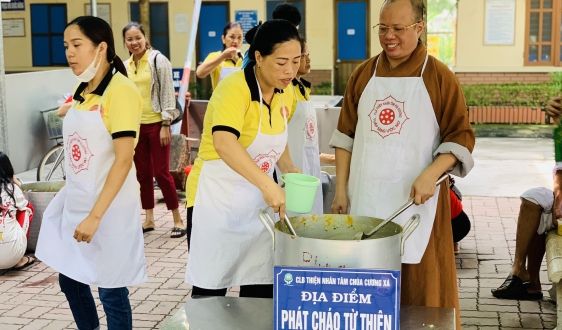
[506, 167]
[32, 300]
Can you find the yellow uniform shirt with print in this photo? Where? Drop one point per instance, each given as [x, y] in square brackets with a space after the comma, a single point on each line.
[142, 77]
[216, 73]
[301, 89]
[121, 105]
[235, 107]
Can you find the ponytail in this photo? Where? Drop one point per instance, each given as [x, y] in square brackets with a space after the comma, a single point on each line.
[119, 66]
[249, 37]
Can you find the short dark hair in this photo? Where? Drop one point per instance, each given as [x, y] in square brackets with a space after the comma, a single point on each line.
[287, 12]
[265, 37]
[417, 7]
[98, 31]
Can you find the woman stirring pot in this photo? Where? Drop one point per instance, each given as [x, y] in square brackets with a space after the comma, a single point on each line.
[244, 137]
[220, 64]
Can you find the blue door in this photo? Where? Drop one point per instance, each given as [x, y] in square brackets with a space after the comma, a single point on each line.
[352, 30]
[47, 29]
[159, 33]
[352, 40]
[212, 19]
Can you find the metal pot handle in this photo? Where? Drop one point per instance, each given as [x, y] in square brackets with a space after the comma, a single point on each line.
[268, 224]
[329, 180]
[408, 229]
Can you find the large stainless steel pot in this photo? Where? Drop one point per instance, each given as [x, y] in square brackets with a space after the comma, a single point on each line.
[327, 241]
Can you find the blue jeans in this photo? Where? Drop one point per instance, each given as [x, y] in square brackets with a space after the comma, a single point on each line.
[115, 304]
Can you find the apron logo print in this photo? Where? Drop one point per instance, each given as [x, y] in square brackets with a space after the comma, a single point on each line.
[387, 117]
[267, 161]
[78, 152]
[309, 128]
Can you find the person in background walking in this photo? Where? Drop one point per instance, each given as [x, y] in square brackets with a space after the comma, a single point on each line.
[152, 73]
[91, 231]
[220, 64]
[16, 214]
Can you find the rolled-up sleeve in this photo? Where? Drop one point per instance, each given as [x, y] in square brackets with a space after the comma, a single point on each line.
[465, 161]
[340, 140]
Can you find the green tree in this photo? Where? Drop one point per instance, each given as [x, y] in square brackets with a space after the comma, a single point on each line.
[436, 7]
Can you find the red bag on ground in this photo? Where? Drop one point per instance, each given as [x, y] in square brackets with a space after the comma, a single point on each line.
[20, 217]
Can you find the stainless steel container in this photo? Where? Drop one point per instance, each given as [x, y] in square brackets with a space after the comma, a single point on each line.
[328, 179]
[39, 194]
[328, 241]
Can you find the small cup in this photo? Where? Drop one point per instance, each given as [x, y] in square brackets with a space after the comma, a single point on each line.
[559, 226]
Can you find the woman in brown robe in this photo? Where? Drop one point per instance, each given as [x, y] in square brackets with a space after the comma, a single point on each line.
[432, 280]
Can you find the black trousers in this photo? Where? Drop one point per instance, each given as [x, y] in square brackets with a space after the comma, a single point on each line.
[461, 227]
[249, 291]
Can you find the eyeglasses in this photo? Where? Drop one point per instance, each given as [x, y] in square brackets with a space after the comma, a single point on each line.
[397, 30]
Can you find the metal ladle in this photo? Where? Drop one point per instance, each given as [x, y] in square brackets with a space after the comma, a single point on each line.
[361, 235]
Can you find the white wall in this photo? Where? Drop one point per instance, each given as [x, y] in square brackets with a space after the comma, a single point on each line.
[471, 53]
[26, 95]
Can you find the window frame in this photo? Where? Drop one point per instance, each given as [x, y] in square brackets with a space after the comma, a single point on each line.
[50, 34]
[555, 42]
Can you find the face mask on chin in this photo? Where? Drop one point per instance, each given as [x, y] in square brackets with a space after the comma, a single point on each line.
[90, 71]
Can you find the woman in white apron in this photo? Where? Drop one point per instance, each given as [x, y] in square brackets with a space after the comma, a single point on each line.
[222, 63]
[91, 231]
[244, 138]
[303, 129]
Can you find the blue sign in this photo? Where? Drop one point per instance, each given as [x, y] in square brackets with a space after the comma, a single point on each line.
[13, 5]
[177, 74]
[336, 298]
[247, 19]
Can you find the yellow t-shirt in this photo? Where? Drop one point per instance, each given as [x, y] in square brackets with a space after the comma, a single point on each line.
[301, 91]
[142, 77]
[234, 107]
[216, 73]
[121, 105]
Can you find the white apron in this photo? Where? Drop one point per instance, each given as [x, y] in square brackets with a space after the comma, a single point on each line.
[115, 256]
[229, 244]
[303, 146]
[225, 72]
[397, 133]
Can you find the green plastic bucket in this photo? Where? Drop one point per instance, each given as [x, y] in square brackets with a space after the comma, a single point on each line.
[300, 191]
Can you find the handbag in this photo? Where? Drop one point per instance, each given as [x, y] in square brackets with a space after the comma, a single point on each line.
[178, 105]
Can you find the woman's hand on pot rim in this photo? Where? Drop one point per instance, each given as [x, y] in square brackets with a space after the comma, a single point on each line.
[274, 197]
[340, 204]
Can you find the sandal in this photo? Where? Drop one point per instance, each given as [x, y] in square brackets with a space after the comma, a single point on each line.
[146, 230]
[514, 288]
[181, 232]
[29, 262]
